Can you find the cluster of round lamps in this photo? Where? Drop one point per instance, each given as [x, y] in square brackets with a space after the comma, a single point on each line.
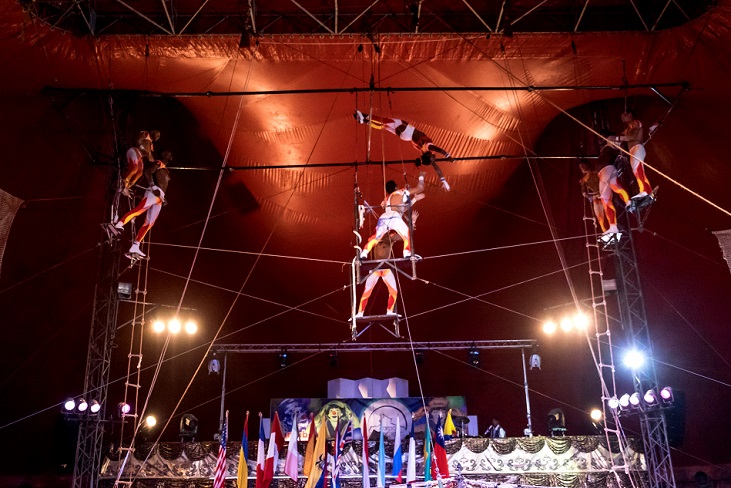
[651, 398]
[174, 326]
[577, 322]
[81, 406]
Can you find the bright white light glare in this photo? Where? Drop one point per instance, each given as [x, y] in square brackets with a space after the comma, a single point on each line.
[150, 421]
[581, 321]
[650, 396]
[158, 326]
[596, 415]
[566, 324]
[70, 404]
[624, 400]
[124, 408]
[666, 393]
[549, 327]
[635, 399]
[191, 327]
[95, 407]
[83, 405]
[174, 326]
[613, 403]
[634, 359]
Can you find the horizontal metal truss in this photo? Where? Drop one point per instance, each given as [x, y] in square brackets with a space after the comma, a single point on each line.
[376, 346]
[335, 17]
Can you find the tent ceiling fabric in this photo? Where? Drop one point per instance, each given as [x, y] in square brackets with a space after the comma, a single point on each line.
[278, 240]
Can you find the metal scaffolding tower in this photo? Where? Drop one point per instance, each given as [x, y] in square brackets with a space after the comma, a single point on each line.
[96, 381]
[634, 321]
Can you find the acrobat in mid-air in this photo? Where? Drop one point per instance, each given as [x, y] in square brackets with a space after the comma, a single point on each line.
[407, 132]
[397, 204]
[158, 177]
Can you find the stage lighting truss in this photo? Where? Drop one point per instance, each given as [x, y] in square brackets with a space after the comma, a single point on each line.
[80, 407]
[650, 400]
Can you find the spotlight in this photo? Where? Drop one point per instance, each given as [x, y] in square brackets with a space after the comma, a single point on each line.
[188, 427]
[473, 357]
[634, 399]
[581, 321]
[556, 422]
[624, 400]
[634, 359]
[596, 415]
[124, 408]
[613, 403]
[214, 365]
[124, 291]
[283, 359]
[667, 394]
[191, 327]
[332, 358]
[650, 397]
[82, 405]
[150, 421]
[535, 361]
[174, 326]
[566, 325]
[95, 407]
[158, 326]
[549, 327]
[69, 405]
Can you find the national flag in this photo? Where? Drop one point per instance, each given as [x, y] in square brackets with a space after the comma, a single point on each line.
[260, 455]
[317, 477]
[219, 480]
[242, 474]
[381, 473]
[440, 451]
[276, 445]
[427, 453]
[291, 467]
[340, 442]
[365, 456]
[411, 466]
[449, 428]
[397, 454]
[310, 449]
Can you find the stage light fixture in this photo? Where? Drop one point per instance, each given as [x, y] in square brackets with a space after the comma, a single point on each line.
[566, 324]
[174, 326]
[191, 327]
[613, 403]
[473, 356]
[420, 356]
[283, 359]
[95, 407]
[549, 327]
[624, 401]
[214, 365]
[188, 427]
[650, 397]
[69, 404]
[556, 422]
[150, 421]
[82, 405]
[124, 290]
[124, 408]
[581, 321]
[158, 326]
[634, 359]
[667, 394]
[596, 415]
[332, 358]
[634, 399]
[535, 360]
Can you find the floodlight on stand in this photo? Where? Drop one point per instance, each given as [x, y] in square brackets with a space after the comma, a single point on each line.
[634, 359]
[158, 326]
[95, 406]
[174, 326]
[650, 397]
[634, 399]
[69, 404]
[82, 405]
[624, 401]
[124, 290]
[549, 327]
[667, 394]
[613, 403]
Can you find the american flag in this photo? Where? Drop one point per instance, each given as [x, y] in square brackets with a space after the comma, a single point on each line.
[220, 479]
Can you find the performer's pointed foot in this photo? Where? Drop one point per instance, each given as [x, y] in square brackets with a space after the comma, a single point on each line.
[358, 116]
[135, 250]
[640, 195]
[359, 315]
[364, 254]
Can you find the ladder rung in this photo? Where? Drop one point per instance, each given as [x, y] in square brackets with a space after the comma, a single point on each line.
[132, 385]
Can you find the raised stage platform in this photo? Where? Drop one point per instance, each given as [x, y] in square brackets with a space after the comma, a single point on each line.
[571, 461]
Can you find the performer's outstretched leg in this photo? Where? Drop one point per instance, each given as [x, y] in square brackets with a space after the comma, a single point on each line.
[638, 155]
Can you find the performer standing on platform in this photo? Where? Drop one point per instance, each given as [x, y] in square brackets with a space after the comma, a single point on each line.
[158, 177]
[396, 204]
[590, 189]
[407, 132]
[383, 250]
[633, 135]
[608, 183]
[495, 431]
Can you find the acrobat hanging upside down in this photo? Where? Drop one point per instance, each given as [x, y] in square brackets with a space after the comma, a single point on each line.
[407, 132]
